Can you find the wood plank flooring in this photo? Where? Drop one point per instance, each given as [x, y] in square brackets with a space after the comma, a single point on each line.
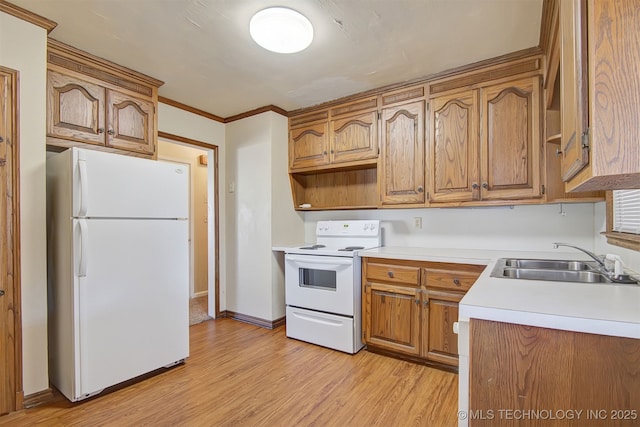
[243, 375]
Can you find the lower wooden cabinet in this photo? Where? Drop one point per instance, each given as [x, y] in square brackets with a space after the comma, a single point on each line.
[393, 317]
[518, 375]
[409, 307]
[441, 343]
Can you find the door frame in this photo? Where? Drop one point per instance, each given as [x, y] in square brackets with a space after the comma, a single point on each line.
[12, 393]
[215, 247]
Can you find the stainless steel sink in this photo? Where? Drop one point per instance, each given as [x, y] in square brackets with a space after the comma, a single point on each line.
[555, 275]
[555, 271]
[550, 264]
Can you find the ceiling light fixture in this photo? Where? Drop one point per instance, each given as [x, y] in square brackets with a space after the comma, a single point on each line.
[281, 30]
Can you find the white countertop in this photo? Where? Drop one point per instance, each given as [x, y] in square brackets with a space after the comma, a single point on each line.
[607, 309]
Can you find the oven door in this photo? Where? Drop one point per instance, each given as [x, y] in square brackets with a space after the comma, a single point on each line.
[323, 283]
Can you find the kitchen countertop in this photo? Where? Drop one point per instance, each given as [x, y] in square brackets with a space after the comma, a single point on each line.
[606, 309]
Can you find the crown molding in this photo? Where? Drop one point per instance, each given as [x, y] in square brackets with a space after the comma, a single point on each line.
[28, 16]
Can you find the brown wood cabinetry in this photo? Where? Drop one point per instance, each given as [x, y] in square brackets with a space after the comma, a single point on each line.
[354, 138]
[554, 185]
[510, 143]
[402, 164]
[526, 368]
[600, 94]
[309, 145]
[342, 137]
[409, 308]
[453, 147]
[485, 143]
[92, 101]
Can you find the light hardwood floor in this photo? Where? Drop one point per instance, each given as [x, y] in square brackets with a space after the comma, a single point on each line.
[243, 375]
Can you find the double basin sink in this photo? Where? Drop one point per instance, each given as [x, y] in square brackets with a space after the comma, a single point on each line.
[555, 270]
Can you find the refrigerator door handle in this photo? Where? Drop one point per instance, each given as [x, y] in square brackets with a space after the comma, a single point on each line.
[84, 189]
[84, 248]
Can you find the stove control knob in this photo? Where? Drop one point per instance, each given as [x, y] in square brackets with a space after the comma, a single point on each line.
[373, 227]
[366, 226]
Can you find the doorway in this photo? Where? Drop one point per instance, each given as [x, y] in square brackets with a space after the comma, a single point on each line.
[202, 158]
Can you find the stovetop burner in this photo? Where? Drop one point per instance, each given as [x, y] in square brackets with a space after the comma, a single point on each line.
[314, 247]
[341, 239]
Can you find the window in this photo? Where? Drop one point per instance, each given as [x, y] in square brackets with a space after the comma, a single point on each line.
[623, 218]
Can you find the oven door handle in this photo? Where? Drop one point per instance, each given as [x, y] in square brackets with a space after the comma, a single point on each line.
[312, 260]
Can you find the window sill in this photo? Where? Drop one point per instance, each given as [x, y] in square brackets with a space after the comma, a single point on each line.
[625, 240]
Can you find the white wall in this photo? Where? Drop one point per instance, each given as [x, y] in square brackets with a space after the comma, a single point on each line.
[183, 123]
[287, 225]
[28, 56]
[524, 227]
[259, 210]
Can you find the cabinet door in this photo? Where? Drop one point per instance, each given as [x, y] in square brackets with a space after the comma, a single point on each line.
[573, 86]
[392, 317]
[130, 123]
[441, 343]
[453, 148]
[75, 109]
[309, 145]
[354, 138]
[510, 151]
[402, 170]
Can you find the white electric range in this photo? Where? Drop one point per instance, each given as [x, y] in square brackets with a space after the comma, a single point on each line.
[323, 284]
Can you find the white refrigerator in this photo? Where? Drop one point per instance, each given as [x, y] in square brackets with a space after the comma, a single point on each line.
[118, 268]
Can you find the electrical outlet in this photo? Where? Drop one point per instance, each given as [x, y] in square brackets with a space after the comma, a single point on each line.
[417, 223]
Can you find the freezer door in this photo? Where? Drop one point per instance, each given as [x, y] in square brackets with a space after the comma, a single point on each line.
[132, 298]
[107, 185]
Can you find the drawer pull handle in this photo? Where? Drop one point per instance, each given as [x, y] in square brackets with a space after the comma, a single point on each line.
[390, 274]
[456, 282]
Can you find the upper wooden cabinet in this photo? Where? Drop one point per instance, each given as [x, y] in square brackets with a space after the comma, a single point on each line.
[495, 158]
[92, 101]
[600, 94]
[354, 138]
[84, 112]
[341, 137]
[75, 109]
[309, 145]
[510, 142]
[402, 164]
[453, 148]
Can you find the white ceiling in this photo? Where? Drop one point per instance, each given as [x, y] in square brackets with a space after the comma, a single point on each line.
[202, 50]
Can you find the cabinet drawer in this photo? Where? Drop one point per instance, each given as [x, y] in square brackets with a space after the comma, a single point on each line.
[393, 273]
[451, 280]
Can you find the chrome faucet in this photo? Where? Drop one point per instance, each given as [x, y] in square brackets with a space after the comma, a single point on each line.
[596, 258]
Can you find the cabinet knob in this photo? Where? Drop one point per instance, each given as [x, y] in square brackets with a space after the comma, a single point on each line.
[1, 139]
[111, 132]
[485, 185]
[420, 189]
[1, 292]
[558, 152]
[100, 130]
[331, 151]
[456, 282]
[324, 153]
[390, 274]
[474, 185]
[426, 303]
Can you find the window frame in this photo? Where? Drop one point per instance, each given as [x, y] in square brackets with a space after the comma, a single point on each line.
[625, 240]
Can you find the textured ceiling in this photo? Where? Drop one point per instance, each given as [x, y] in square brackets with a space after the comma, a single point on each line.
[201, 49]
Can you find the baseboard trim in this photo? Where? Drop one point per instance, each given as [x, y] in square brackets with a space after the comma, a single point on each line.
[268, 324]
[38, 398]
